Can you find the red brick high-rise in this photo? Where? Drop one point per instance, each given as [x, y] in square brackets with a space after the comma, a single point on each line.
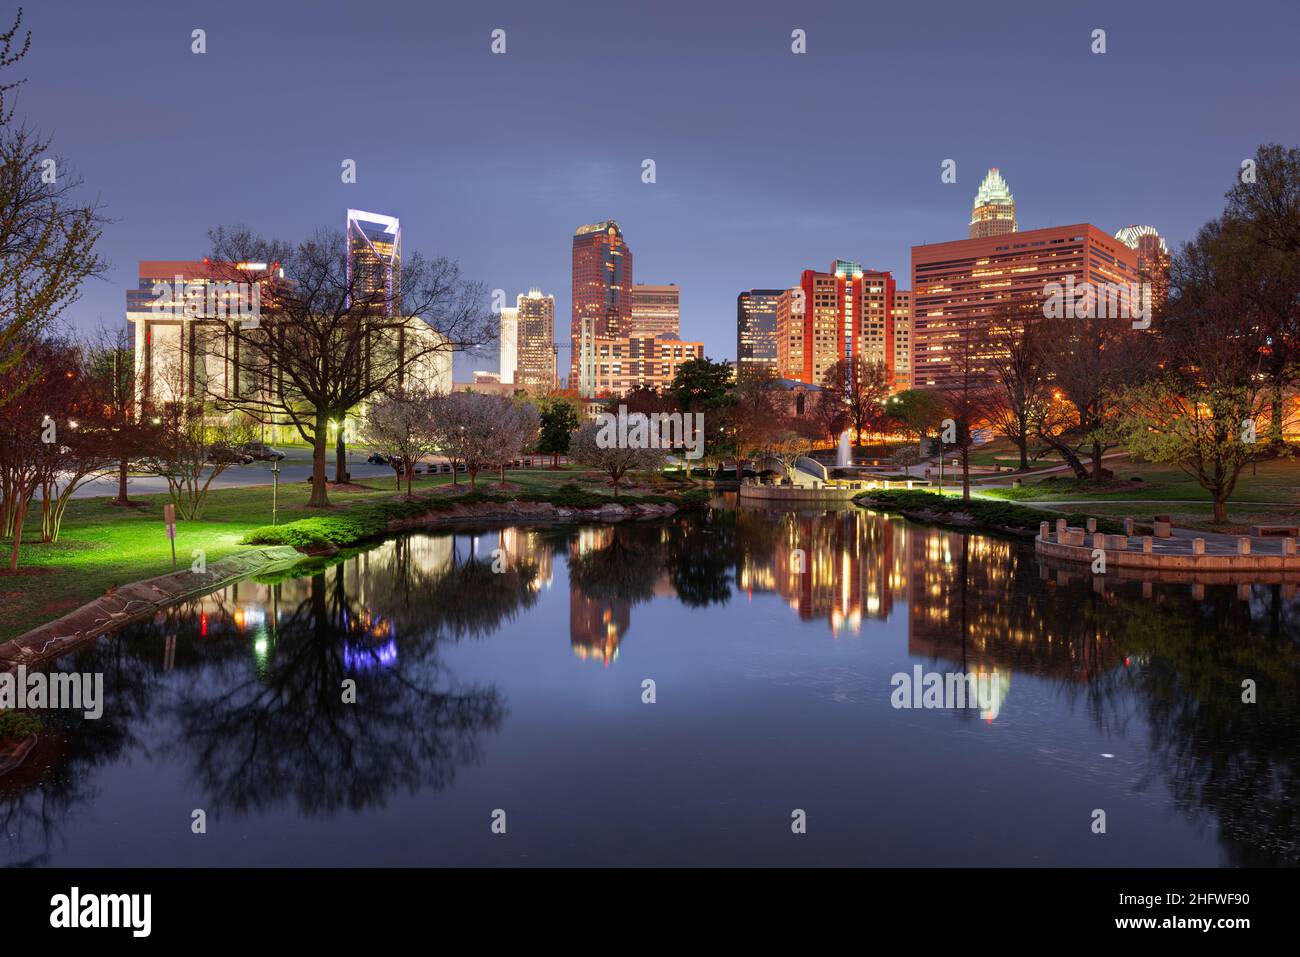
[602, 292]
[846, 314]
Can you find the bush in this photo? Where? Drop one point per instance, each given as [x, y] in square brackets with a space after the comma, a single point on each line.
[17, 725]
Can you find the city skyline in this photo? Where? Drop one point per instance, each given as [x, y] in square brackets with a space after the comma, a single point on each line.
[706, 222]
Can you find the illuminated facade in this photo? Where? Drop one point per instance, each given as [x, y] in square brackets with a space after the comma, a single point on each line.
[1153, 258]
[902, 316]
[602, 294]
[197, 353]
[374, 263]
[756, 330]
[509, 345]
[615, 366]
[535, 370]
[961, 290]
[994, 211]
[656, 312]
[846, 314]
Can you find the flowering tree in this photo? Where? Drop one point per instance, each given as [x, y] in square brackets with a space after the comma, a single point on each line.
[482, 431]
[614, 460]
[401, 424]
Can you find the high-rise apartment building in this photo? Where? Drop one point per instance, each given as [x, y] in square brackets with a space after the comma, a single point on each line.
[374, 263]
[602, 293]
[994, 211]
[656, 311]
[535, 370]
[846, 314]
[509, 344]
[902, 317]
[756, 328]
[962, 290]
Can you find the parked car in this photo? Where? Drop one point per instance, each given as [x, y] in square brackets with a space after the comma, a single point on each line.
[376, 458]
[224, 454]
[261, 452]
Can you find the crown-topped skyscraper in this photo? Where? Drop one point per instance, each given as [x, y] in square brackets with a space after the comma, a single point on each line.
[994, 212]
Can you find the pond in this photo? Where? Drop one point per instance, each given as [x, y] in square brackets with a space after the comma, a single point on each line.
[717, 688]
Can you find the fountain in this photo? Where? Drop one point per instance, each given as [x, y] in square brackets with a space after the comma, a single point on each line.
[845, 454]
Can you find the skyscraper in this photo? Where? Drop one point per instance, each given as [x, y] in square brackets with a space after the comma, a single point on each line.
[756, 329]
[602, 293]
[1153, 258]
[656, 311]
[509, 344]
[536, 341]
[963, 290]
[374, 263]
[847, 314]
[994, 212]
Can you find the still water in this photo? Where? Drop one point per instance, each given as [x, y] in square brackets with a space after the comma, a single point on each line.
[505, 671]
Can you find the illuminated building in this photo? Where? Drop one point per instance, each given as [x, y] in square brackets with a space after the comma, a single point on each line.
[902, 316]
[536, 341]
[615, 366]
[756, 330]
[1153, 258]
[846, 313]
[994, 210]
[374, 261]
[509, 345]
[656, 312]
[602, 294]
[962, 291]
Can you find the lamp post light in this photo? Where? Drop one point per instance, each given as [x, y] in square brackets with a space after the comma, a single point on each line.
[275, 487]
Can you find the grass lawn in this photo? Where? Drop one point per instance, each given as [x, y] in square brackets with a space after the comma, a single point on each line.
[101, 546]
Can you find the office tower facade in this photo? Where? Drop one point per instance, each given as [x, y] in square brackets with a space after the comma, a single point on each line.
[1153, 258]
[509, 344]
[617, 366]
[602, 293]
[656, 311]
[846, 314]
[535, 371]
[902, 322]
[756, 322]
[994, 210]
[962, 290]
[374, 261]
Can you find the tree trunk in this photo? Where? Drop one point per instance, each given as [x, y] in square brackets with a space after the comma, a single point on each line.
[319, 494]
[1068, 457]
[965, 474]
[20, 514]
[121, 483]
[340, 458]
[1023, 445]
[1096, 462]
[410, 472]
[1220, 512]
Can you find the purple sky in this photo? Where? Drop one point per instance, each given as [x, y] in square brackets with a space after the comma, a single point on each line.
[767, 162]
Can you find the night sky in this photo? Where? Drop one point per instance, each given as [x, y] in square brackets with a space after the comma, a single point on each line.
[767, 162]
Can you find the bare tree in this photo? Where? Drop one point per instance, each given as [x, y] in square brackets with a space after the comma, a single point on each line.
[613, 459]
[863, 386]
[326, 341]
[1017, 359]
[469, 428]
[191, 448]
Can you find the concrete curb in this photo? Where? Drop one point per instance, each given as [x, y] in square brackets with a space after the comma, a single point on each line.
[135, 601]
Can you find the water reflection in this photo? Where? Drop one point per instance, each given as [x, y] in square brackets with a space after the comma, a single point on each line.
[243, 689]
